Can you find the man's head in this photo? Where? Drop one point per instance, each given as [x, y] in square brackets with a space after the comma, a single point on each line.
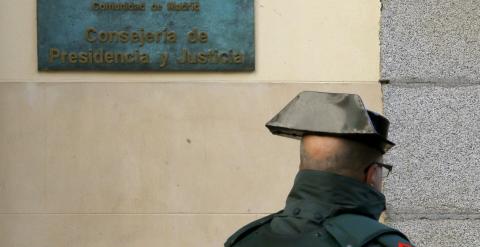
[338, 134]
[341, 156]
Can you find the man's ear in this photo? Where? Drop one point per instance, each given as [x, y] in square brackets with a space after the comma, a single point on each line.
[373, 178]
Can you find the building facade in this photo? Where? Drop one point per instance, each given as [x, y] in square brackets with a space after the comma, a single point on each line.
[184, 159]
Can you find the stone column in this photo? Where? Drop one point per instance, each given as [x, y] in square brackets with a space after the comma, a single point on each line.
[430, 55]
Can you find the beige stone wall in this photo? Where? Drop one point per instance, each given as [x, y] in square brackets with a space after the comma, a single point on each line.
[166, 159]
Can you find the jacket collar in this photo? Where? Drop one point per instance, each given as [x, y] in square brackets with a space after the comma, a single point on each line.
[318, 195]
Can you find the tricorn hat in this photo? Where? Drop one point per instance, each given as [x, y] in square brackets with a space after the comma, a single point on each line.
[331, 114]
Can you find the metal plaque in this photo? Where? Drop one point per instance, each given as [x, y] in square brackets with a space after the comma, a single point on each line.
[141, 35]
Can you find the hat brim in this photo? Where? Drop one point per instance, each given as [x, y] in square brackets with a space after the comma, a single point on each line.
[370, 139]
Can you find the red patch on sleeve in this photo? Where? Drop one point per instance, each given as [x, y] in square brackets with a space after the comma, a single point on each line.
[404, 245]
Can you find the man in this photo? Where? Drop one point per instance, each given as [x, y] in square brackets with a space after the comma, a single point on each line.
[336, 198]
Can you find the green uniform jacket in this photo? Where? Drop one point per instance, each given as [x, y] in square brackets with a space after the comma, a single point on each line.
[323, 209]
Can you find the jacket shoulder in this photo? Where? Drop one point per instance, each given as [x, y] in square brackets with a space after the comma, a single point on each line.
[242, 232]
[393, 240]
[358, 230]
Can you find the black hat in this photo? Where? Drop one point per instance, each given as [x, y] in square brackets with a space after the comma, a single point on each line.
[331, 114]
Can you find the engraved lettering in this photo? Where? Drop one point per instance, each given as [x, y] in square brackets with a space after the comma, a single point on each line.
[185, 6]
[211, 57]
[83, 57]
[89, 34]
[195, 36]
[140, 37]
[117, 6]
[53, 54]
[163, 60]
[157, 7]
[108, 57]
[72, 58]
[100, 57]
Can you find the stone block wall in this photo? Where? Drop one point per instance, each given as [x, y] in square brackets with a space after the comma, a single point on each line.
[429, 53]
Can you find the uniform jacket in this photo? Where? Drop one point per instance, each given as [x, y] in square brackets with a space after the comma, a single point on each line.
[323, 209]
